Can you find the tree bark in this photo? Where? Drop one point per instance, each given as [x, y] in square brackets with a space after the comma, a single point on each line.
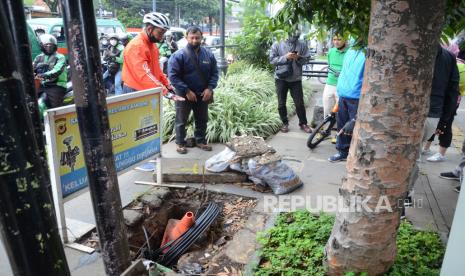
[402, 44]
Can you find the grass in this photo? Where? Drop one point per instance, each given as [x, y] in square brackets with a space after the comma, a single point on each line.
[295, 246]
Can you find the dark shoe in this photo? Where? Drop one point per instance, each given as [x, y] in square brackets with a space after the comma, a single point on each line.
[457, 189]
[305, 128]
[190, 142]
[338, 157]
[204, 147]
[285, 128]
[449, 175]
[181, 149]
[408, 201]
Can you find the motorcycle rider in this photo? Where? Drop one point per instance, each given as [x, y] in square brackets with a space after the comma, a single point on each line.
[170, 42]
[165, 54]
[50, 68]
[113, 57]
[124, 38]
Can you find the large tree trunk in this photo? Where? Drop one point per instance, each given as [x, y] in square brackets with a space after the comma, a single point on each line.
[402, 45]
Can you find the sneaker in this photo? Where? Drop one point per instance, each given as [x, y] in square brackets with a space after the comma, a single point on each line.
[333, 140]
[426, 152]
[457, 189]
[285, 128]
[449, 175]
[436, 158]
[338, 157]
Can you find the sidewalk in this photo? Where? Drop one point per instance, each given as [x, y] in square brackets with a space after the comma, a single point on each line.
[320, 177]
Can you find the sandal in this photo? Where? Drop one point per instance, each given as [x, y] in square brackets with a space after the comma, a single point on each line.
[204, 147]
[181, 149]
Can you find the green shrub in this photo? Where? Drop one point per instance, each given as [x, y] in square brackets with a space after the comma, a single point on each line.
[295, 246]
[245, 103]
[237, 67]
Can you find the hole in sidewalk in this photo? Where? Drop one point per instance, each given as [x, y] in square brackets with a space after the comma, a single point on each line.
[153, 210]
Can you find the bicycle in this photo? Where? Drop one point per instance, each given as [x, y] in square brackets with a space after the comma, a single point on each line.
[323, 130]
[326, 70]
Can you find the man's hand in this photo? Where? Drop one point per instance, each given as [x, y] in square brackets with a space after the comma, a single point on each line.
[348, 128]
[206, 95]
[191, 96]
[441, 128]
[291, 56]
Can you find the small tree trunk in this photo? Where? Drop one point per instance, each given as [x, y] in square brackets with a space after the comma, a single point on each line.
[402, 45]
[210, 23]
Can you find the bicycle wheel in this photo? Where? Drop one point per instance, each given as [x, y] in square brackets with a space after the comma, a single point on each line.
[322, 80]
[321, 132]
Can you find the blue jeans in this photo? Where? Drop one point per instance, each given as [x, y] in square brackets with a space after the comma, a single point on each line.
[347, 111]
[127, 89]
[118, 84]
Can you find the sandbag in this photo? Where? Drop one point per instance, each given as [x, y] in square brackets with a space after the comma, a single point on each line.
[221, 161]
[278, 175]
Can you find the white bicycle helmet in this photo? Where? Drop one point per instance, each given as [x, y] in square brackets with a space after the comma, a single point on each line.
[157, 19]
[48, 38]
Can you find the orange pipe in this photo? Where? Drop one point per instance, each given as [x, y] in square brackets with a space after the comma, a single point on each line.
[175, 228]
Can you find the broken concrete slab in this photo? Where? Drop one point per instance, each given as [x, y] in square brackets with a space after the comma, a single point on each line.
[161, 192]
[152, 200]
[183, 170]
[256, 222]
[242, 247]
[132, 217]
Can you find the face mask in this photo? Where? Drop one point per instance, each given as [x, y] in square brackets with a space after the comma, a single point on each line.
[113, 42]
[49, 49]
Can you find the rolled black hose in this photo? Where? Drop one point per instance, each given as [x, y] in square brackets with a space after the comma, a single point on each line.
[191, 236]
[181, 244]
[186, 243]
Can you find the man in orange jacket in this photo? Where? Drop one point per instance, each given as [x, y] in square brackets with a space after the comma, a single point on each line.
[141, 68]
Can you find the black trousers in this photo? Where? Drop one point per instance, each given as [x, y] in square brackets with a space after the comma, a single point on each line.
[445, 140]
[183, 110]
[282, 87]
[52, 95]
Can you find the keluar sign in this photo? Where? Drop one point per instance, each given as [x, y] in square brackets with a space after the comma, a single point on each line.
[135, 134]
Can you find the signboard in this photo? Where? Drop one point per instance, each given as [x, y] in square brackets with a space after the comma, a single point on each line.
[135, 125]
[135, 134]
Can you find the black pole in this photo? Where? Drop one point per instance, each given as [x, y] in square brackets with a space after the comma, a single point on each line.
[28, 223]
[18, 28]
[91, 108]
[222, 63]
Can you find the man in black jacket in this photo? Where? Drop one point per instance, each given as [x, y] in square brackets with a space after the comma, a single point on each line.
[444, 94]
[443, 101]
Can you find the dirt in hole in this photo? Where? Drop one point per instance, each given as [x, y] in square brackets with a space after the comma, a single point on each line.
[208, 250]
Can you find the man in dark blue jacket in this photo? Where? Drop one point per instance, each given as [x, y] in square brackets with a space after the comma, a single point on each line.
[194, 74]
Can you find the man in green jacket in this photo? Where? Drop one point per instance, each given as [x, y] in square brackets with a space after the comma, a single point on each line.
[165, 54]
[50, 69]
[113, 56]
[335, 59]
